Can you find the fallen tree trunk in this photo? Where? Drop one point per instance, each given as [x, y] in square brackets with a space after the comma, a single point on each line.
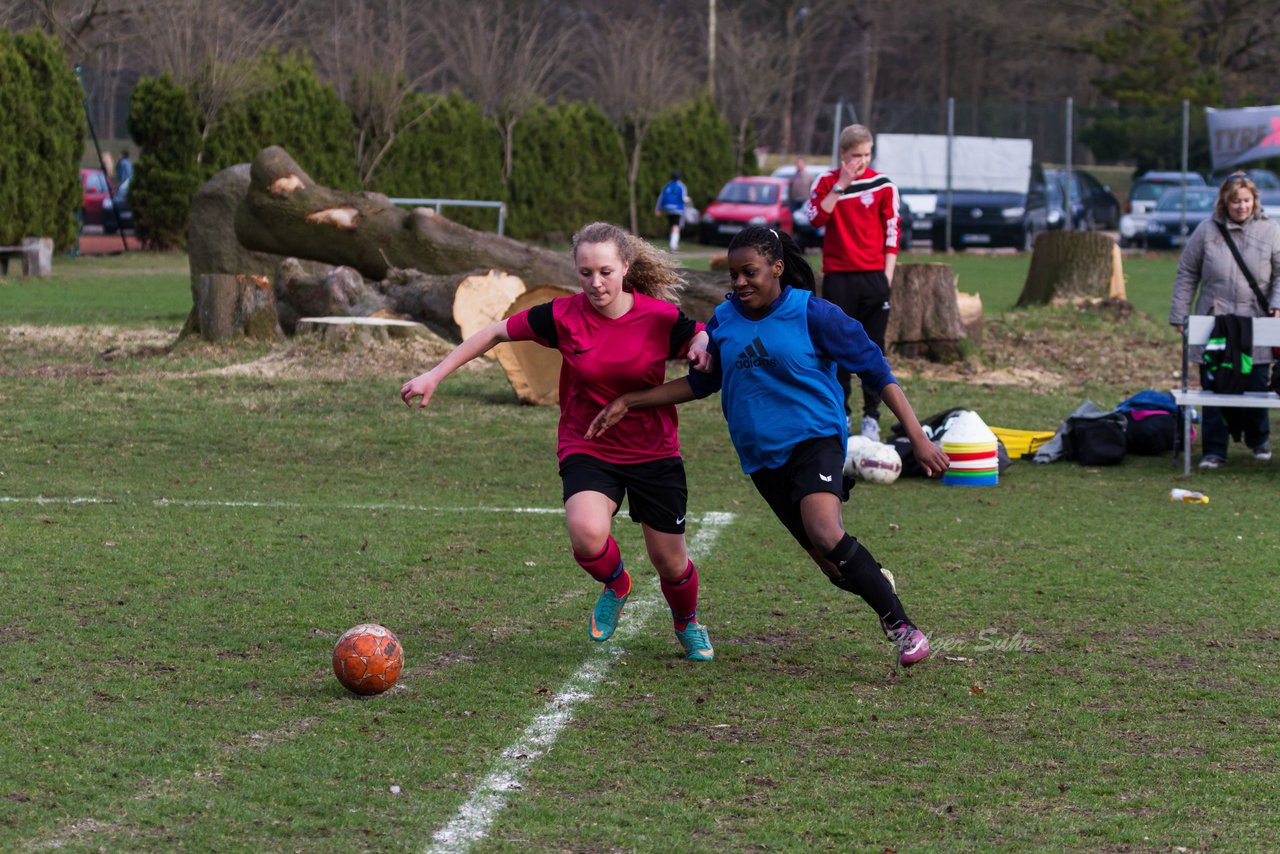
[284, 212]
[287, 213]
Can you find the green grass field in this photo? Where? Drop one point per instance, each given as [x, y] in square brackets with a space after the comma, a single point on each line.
[184, 545]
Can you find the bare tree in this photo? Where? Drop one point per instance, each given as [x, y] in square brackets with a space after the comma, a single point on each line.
[752, 85]
[636, 70]
[1240, 37]
[377, 54]
[209, 46]
[81, 25]
[506, 56]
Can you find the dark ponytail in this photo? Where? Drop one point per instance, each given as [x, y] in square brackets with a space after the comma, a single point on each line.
[778, 246]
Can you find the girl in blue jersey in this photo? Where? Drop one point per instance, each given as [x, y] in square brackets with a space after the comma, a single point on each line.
[776, 349]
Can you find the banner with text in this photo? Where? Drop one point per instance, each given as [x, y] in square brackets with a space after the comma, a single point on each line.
[1242, 135]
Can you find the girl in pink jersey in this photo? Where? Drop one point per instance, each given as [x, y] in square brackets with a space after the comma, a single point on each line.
[615, 336]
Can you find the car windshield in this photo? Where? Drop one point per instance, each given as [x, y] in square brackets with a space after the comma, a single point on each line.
[1198, 199]
[748, 193]
[95, 182]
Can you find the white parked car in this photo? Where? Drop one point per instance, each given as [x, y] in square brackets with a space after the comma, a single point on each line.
[811, 171]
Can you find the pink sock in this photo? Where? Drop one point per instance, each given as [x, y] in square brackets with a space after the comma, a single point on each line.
[682, 596]
[606, 567]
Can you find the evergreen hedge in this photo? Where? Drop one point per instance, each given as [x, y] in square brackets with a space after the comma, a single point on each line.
[568, 171]
[568, 168]
[162, 120]
[445, 149]
[41, 138]
[289, 107]
[694, 138]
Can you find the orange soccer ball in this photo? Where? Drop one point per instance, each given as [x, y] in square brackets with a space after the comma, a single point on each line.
[367, 659]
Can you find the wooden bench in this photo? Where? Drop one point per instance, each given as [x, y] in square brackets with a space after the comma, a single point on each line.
[35, 253]
[1195, 333]
[8, 253]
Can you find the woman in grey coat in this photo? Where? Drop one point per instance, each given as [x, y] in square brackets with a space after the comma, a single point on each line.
[1207, 264]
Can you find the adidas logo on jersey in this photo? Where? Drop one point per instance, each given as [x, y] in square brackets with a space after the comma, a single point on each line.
[755, 356]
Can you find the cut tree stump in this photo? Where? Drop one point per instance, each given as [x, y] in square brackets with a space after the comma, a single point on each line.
[481, 299]
[925, 319]
[229, 306]
[1068, 265]
[360, 330]
[532, 370]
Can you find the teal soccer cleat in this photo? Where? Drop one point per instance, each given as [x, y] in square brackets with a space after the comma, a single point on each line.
[604, 619]
[697, 646]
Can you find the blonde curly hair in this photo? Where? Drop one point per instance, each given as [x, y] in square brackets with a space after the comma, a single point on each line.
[652, 272]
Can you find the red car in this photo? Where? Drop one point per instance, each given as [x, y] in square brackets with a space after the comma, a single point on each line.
[94, 184]
[747, 201]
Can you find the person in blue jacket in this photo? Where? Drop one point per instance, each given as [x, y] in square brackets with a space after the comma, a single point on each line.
[671, 203]
[124, 168]
[776, 348]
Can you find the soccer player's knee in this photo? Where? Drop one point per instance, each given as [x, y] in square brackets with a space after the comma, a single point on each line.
[826, 537]
[588, 540]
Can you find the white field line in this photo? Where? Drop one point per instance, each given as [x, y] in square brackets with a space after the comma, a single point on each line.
[472, 822]
[272, 505]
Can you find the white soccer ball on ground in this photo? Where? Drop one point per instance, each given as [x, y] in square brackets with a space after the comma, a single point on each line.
[857, 447]
[879, 463]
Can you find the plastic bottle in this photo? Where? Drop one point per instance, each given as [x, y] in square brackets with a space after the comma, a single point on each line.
[1186, 496]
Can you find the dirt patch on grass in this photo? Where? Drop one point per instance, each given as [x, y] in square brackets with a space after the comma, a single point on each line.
[1063, 346]
[15, 634]
[61, 338]
[308, 359]
[103, 351]
[1053, 348]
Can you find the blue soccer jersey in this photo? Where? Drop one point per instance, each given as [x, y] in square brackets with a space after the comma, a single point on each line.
[777, 375]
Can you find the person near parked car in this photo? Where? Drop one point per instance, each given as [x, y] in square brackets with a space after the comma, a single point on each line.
[1209, 266]
[859, 208]
[799, 189]
[671, 202]
[124, 169]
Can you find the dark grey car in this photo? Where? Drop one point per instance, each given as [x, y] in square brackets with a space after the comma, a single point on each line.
[997, 218]
[1092, 204]
[1163, 228]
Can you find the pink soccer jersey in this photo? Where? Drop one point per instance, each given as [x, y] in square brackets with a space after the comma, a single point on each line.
[604, 358]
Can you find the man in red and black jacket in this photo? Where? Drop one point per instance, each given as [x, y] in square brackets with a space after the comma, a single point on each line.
[859, 208]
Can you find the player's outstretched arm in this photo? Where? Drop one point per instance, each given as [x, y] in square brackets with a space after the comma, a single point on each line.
[675, 391]
[929, 455]
[424, 385]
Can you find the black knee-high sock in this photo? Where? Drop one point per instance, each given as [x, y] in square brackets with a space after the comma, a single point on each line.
[860, 573]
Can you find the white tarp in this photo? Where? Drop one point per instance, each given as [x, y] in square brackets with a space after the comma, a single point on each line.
[919, 161]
